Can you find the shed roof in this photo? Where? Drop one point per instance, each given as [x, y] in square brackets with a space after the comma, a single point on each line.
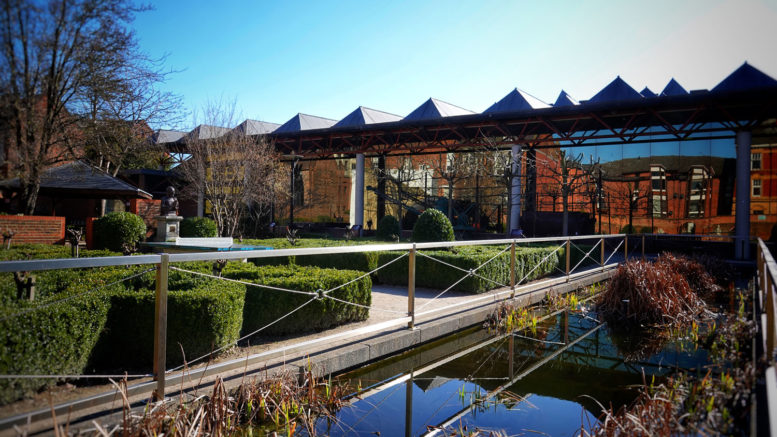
[79, 179]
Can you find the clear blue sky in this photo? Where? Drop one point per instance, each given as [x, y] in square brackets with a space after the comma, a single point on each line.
[328, 57]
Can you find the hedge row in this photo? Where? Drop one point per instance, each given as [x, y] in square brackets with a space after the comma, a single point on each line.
[56, 339]
[113, 329]
[433, 274]
[264, 305]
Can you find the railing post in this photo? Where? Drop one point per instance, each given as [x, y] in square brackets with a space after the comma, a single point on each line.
[626, 247]
[411, 288]
[568, 253]
[512, 270]
[160, 327]
[643, 247]
[601, 253]
[769, 320]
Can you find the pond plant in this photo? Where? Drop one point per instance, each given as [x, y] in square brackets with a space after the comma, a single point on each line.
[279, 404]
[648, 304]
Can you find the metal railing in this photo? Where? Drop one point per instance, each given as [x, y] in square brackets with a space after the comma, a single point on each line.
[767, 290]
[163, 263]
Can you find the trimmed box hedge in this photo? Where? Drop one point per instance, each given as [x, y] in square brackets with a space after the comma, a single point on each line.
[200, 319]
[432, 274]
[263, 305]
[56, 339]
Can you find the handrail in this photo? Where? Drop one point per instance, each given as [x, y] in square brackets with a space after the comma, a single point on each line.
[767, 292]
[163, 262]
[70, 263]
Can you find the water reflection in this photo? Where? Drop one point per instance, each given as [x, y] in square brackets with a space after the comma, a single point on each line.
[552, 383]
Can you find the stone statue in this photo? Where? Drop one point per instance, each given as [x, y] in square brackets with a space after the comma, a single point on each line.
[169, 203]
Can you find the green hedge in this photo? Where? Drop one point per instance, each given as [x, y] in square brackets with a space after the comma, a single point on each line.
[120, 231]
[433, 225]
[364, 261]
[56, 339]
[200, 320]
[388, 228]
[263, 305]
[432, 274]
[199, 227]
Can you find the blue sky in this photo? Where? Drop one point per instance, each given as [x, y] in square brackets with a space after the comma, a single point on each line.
[325, 58]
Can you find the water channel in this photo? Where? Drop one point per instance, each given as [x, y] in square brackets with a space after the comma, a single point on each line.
[549, 382]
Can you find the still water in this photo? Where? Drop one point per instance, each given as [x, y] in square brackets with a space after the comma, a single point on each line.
[549, 382]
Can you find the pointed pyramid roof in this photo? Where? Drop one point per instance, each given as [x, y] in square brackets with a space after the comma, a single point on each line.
[254, 127]
[434, 108]
[302, 122]
[744, 78]
[673, 89]
[363, 116]
[618, 90]
[516, 100]
[647, 92]
[565, 99]
[167, 136]
[206, 132]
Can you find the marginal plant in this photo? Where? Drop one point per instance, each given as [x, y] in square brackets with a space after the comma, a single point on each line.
[642, 294]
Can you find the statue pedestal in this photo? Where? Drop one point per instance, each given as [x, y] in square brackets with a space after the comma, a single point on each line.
[167, 227]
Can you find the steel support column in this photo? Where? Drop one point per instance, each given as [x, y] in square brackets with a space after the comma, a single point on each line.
[359, 194]
[742, 217]
[515, 188]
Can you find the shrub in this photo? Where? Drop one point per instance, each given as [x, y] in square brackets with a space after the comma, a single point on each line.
[433, 274]
[55, 339]
[433, 225]
[643, 293]
[198, 227]
[694, 272]
[646, 230]
[628, 229]
[388, 227]
[199, 320]
[119, 231]
[263, 305]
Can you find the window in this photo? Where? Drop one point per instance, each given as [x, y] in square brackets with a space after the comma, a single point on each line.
[658, 190]
[697, 191]
[756, 188]
[755, 161]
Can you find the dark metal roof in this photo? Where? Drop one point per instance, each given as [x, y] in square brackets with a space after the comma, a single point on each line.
[303, 122]
[673, 89]
[79, 179]
[744, 78]
[647, 92]
[436, 109]
[362, 116]
[516, 100]
[746, 99]
[616, 91]
[254, 127]
[565, 99]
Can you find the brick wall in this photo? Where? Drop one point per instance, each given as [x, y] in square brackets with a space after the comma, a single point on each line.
[34, 229]
[146, 209]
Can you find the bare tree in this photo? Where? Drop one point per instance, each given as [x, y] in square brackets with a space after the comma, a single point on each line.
[233, 172]
[630, 193]
[399, 178]
[565, 173]
[454, 168]
[50, 53]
